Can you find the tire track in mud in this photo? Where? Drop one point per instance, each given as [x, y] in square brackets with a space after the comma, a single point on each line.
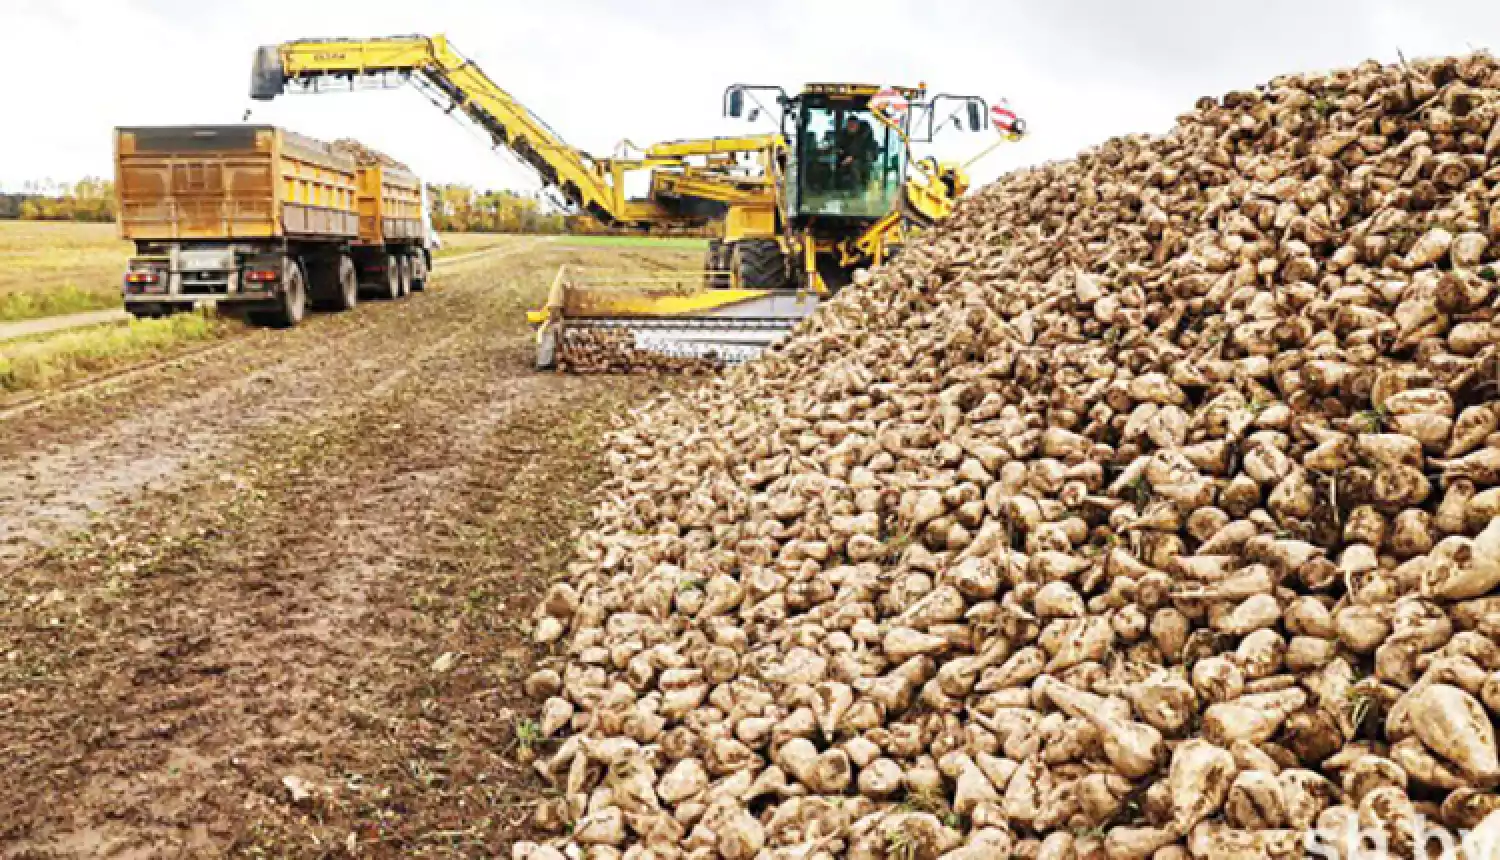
[54, 491]
[12, 409]
[314, 534]
[99, 392]
[263, 378]
[283, 610]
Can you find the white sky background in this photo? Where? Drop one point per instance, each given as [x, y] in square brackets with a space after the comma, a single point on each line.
[1079, 71]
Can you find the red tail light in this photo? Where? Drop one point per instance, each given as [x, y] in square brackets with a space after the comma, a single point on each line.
[141, 278]
[262, 276]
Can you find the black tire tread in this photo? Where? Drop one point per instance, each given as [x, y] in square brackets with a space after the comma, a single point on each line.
[761, 264]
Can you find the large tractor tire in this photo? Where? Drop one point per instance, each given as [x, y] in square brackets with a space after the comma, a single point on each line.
[761, 264]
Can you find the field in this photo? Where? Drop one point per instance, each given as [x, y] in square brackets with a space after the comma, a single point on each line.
[467, 243]
[680, 243]
[302, 558]
[49, 268]
[51, 360]
[56, 268]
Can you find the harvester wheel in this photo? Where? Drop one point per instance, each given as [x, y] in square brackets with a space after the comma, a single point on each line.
[761, 264]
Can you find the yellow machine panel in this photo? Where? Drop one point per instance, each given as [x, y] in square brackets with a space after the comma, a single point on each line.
[231, 182]
[750, 222]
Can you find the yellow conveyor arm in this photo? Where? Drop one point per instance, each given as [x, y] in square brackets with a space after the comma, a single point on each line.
[594, 185]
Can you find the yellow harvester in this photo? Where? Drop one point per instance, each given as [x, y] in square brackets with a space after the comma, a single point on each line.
[796, 217]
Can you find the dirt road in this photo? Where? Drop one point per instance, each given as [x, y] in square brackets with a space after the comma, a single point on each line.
[271, 600]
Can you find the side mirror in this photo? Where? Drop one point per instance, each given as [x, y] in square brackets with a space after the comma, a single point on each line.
[976, 120]
[736, 103]
[754, 114]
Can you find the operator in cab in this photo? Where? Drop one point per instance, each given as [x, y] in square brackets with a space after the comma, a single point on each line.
[857, 150]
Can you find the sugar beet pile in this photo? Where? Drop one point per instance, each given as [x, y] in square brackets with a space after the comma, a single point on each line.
[1147, 509]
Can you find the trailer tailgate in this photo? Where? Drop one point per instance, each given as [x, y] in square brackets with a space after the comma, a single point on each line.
[196, 182]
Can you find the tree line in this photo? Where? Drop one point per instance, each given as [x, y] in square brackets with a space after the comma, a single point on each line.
[88, 199]
[461, 209]
[455, 208]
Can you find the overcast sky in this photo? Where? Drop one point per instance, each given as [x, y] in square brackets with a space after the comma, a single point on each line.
[649, 70]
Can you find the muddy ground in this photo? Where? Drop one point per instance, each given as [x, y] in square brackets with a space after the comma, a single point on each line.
[272, 600]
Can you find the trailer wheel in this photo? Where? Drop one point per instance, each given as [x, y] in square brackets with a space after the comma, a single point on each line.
[292, 304]
[405, 276]
[760, 263]
[346, 293]
[332, 283]
[392, 279]
[421, 267]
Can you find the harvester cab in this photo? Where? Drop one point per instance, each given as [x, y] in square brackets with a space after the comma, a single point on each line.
[849, 190]
[844, 160]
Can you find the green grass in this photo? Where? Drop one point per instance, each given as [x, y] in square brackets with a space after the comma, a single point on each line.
[52, 360]
[65, 299]
[50, 268]
[679, 242]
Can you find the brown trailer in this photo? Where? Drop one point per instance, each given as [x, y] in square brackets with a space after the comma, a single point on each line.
[259, 220]
[390, 224]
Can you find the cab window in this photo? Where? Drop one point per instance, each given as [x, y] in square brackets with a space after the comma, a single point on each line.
[853, 164]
